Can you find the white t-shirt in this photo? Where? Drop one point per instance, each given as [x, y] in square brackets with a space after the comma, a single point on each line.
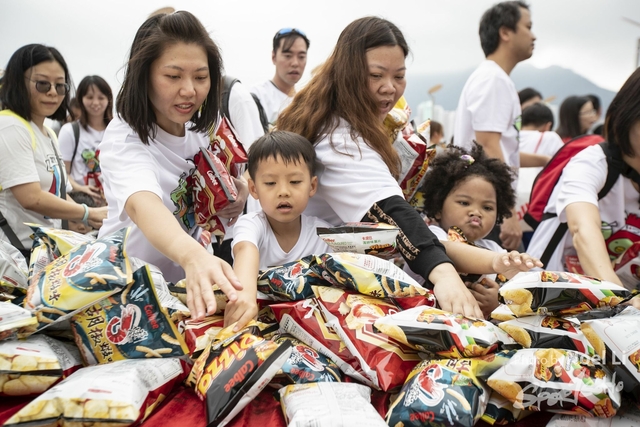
[581, 181]
[88, 141]
[273, 100]
[246, 121]
[129, 166]
[441, 234]
[254, 227]
[21, 164]
[489, 103]
[348, 185]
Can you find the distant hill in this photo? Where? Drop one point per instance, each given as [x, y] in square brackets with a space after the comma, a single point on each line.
[549, 81]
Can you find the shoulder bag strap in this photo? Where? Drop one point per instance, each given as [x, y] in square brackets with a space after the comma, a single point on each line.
[63, 171]
[535, 150]
[76, 136]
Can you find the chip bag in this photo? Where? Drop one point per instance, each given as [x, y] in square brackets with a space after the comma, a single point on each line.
[367, 275]
[179, 291]
[226, 147]
[128, 325]
[233, 370]
[627, 266]
[415, 158]
[213, 190]
[13, 273]
[15, 320]
[562, 381]
[439, 332]
[305, 365]
[83, 276]
[291, 281]
[384, 360]
[31, 366]
[371, 238]
[440, 392]
[500, 411]
[329, 405]
[558, 293]
[59, 242]
[121, 393]
[198, 334]
[548, 332]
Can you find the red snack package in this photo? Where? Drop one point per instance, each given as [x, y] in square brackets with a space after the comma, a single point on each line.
[213, 190]
[225, 146]
[198, 334]
[415, 157]
[385, 361]
[305, 321]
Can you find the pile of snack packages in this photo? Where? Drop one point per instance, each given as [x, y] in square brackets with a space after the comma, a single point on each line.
[99, 338]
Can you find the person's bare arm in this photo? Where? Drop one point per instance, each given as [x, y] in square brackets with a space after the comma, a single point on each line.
[33, 198]
[584, 224]
[246, 264]
[490, 141]
[202, 269]
[532, 160]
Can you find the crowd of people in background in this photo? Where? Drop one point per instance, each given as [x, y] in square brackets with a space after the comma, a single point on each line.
[105, 172]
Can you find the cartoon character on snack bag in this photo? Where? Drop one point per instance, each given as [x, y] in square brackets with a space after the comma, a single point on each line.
[119, 329]
[431, 391]
[309, 357]
[363, 311]
[622, 239]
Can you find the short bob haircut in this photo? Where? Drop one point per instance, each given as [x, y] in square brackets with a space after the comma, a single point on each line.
[156, 34]
[84, 87]
[537, 114]
[505, 14]
[14, 91]
[288, 146]
[569, 116]
[623, 113]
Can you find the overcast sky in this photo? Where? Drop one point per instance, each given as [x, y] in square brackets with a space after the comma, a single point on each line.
[587, 36]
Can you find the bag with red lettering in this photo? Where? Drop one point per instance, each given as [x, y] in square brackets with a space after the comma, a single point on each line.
[80, 278]
[308, 323]
[291, 281]
[131, 324]
[305, 365]
[233, 370]
[213, 190]
[123, 393]
[225, 145]
[385, 361]
[440, 392]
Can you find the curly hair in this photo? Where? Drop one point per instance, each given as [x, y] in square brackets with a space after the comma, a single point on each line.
[449, 169]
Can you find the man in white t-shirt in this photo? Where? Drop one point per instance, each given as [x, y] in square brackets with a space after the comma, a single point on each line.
[489, 108]
[289, 55]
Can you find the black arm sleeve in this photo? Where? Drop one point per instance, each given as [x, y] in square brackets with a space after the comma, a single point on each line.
[420, 248]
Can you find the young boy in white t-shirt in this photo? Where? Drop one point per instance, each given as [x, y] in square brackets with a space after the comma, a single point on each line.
[282, 178]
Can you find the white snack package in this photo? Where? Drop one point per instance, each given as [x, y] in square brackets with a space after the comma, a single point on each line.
[329, 405]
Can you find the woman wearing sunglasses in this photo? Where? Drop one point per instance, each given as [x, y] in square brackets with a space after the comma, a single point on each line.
[341, 111]
[32, 178]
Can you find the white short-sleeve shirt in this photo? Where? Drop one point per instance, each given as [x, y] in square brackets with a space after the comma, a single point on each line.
[273, 100]
[88, 140]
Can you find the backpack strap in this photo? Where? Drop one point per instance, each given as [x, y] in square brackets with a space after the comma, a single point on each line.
[263, 115]
[76, 135]
[228, 83]
[615, 166]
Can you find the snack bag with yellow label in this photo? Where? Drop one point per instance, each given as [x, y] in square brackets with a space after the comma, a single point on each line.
[83, 276]
[291, 281]
[234, 369]
[367, 275]
[548, 332]
[439, 332]
[557, 293]
[31, 366]
[128, 325]
[556, 380]
[371, 238]
[329, 405]
[440, 392]
[384, 360]
[59, 242]
[121, 393]
[305, 365]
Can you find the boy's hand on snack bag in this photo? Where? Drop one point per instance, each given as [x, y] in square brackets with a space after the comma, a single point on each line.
[242, 310]
[202, 272]
[511, 263]
[486, 293]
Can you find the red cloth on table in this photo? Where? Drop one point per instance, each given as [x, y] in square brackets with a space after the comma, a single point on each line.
[183, 408]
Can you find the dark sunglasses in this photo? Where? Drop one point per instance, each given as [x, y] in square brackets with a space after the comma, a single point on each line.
[286, 31]
[44, 86]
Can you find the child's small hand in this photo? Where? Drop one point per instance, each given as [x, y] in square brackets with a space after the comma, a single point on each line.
[242, 310]
[511, 263]
[486, 293]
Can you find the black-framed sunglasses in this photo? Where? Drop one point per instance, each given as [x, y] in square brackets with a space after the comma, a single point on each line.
[286, 31]
[44, 86]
